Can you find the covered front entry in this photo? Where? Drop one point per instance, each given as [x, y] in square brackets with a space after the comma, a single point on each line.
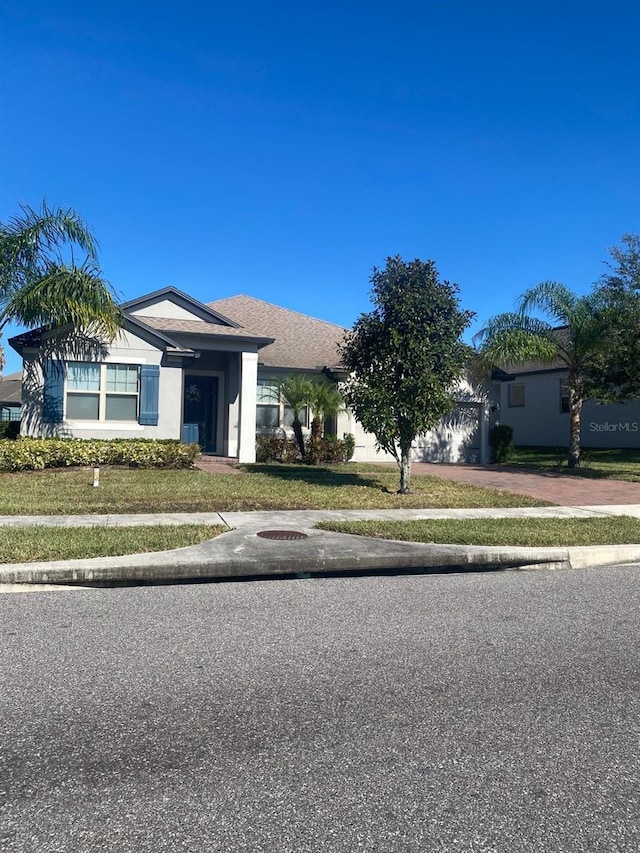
[200, 411]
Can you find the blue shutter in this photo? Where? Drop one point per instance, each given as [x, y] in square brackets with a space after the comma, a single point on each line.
[52, 392]
[149, 388]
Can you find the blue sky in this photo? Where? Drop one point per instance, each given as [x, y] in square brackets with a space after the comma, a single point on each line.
[283, 149]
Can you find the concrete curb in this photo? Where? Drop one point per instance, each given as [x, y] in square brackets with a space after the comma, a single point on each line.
[241, 553]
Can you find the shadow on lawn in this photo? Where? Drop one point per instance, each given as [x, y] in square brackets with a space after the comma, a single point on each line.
[318, 476]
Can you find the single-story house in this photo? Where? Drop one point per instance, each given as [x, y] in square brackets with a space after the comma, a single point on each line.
[10, 396]
[206, 373]
[533, 400]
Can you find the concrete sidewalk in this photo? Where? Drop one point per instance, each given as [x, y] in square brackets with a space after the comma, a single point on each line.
[299, 549]
[310, 517]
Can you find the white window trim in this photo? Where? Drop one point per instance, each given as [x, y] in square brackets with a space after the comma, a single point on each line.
[102, 394]
[276, 402]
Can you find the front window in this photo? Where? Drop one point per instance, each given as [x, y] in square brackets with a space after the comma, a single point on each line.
[271, 412]
[516, 395]
[102, 392]
[267, 405]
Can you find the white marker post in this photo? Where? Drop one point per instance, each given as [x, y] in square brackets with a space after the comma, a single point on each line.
[96, 478]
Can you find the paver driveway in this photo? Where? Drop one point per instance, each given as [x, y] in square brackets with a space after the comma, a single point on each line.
[563, 489]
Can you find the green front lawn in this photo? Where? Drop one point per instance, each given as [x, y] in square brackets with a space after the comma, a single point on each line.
[525, 532]
[258, 487]
[37, 543]
[609, 464]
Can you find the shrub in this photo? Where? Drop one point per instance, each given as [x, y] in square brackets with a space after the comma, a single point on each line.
[334, 449]
[317, 450]
[25, 454]
[349, 446]
[9, 429]
[501, 440]
[274, 448]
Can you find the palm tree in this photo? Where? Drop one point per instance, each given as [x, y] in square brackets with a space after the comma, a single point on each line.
[295, 392]
[570, 336]
[41, 284]
[325, 401]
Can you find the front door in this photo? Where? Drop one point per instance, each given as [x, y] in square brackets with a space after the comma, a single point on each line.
[200, 412]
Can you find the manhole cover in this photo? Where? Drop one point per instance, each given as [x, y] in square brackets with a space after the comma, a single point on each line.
[282, 535]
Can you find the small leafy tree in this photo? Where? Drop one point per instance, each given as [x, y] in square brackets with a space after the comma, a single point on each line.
[405, 356]
[615, 375]
[41, 284]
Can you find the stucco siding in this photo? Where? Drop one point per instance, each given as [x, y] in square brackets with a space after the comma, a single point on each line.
[540, 421]
[126, 349]
[166, 308]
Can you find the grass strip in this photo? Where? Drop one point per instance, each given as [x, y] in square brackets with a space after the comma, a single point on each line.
[595, 463]
[39, 543]
[258, 487]
[525, 532]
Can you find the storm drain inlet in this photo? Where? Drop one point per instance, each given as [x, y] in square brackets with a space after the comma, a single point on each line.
[282, 535]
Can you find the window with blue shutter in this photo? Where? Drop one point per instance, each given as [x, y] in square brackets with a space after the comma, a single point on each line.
[53, 392]
[149, 390]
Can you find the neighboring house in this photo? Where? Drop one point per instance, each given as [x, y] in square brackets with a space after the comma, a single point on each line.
[208, 373]
[533, 400]
[10, 396]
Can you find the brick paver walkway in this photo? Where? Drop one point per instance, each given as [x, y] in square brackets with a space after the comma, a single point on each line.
[217, 464]
[562, 489]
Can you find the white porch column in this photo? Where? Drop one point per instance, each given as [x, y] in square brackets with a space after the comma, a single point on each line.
[248, 392]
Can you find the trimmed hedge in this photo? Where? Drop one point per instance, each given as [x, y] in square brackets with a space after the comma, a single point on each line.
[271, 448]
[31, 454]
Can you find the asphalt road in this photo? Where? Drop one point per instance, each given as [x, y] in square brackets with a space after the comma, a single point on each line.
[475, 713]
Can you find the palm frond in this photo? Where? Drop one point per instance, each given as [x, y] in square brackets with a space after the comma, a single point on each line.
[514, 339]
[65, 296]
[295, 392]
[553, 299]
[47, 228]
[326, 400]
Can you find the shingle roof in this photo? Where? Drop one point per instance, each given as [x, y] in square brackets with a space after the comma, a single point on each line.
[300, 341]
[11, 388]
[198, 327]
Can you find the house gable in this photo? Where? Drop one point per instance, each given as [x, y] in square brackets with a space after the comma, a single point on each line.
[172, 304]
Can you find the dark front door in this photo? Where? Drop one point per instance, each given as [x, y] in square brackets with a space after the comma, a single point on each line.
[200, 413]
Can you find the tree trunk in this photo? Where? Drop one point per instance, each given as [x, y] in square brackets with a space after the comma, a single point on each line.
[315, 439]
[405, 470]
[297, 431]
[575, 412]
